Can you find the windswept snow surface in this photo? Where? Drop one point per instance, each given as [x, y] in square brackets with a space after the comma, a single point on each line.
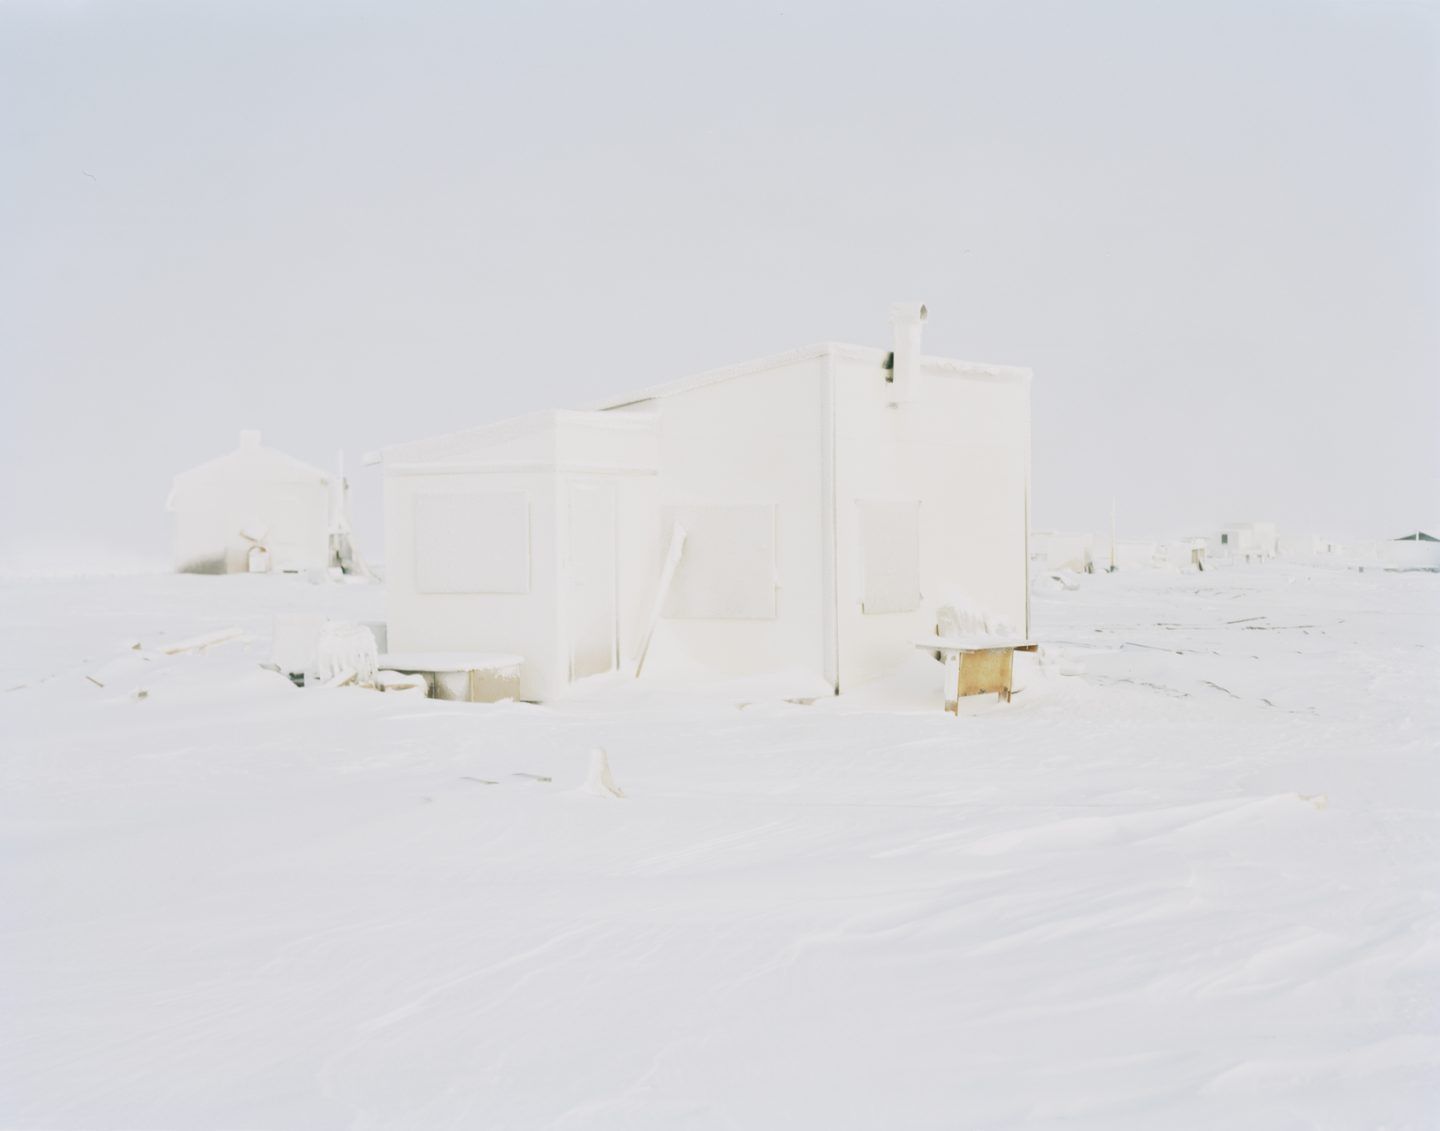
[1188, 878]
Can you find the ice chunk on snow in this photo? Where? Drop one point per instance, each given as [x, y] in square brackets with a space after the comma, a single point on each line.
[601, 782]
[1054, 581]
[347, 647]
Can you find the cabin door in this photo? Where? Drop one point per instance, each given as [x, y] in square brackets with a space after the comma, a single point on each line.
[591, 586]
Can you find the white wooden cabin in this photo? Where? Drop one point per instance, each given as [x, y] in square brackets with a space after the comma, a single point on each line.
[1243, 542]
[254, 497]
[831, 498]
[1414, 551]
[533, 537]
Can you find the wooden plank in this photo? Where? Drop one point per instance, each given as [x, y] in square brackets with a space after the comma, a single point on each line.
[972, 643]
[667, 575]
[985, 670]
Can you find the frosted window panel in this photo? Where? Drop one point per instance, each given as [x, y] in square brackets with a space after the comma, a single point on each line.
[889, 555]
[727, 569]
[476, 542]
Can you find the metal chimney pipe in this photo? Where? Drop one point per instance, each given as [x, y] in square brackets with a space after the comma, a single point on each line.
[906, 321]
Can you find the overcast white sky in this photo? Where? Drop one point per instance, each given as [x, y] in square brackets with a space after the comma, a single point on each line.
[1212, 229]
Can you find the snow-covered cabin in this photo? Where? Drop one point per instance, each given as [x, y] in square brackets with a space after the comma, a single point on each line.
[254, 498]
[1414, 551]
[1243, 542]
[1179, 554]
[1054, 549]
[817, 507]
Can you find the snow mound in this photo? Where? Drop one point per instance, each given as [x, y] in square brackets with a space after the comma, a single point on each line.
[601, 782]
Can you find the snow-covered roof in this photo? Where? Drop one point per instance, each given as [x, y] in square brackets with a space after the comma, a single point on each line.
[468, 443]
[251, 460]
[869, 354]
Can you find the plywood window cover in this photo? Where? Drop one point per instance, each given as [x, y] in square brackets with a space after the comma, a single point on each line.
[472, 542]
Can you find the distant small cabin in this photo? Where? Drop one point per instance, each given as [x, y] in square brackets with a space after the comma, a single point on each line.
[254, 509]
[1054, 549]
[1414, 551]
[1243, 542]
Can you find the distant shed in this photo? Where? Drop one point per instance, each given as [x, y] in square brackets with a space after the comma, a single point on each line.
[1243, 542]
[1055, 549]
[1414, 551]
[254, 497]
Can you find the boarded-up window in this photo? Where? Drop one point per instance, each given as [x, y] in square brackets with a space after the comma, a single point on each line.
[889, 555]
[727, 570]
[472, 542]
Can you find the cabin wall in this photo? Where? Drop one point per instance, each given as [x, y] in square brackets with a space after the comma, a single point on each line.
[728, 451]
[451, 564]
[639, 558]
[1409, 554]
[955, 465]
[209, 515]
[527, 624]
[1243, 542]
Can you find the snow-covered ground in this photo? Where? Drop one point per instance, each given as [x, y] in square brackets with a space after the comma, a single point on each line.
[1190, 877]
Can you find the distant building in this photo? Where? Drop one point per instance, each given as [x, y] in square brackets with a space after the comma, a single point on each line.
[1053, 549]
[256, 509]
[1414, 551]
[1184, 553]
[1243, 542]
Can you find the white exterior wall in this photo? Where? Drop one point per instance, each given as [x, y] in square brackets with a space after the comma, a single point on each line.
[543, 457]
[1235, 543]
[1180, 553]
[639, 560]
[1409, 554]
[527, 624]
[755, 438]
[254, 489]
[962, 449]
[1244, 541]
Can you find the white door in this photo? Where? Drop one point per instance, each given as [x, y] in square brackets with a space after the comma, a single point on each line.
[590, 565]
